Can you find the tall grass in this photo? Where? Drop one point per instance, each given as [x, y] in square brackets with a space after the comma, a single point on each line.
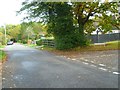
[2, 55]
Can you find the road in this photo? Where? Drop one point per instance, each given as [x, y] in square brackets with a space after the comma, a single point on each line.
[31, 68]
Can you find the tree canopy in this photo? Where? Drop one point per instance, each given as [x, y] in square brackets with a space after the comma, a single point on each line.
[21, 31]
[68, 22]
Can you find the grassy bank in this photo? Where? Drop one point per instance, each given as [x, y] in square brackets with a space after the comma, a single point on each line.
[30, 45]
[113, 45]
[2, 53]
[2, 56]
[2, 46]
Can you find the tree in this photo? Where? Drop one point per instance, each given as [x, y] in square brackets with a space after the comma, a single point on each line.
[70, 21]
[14, 31]
[58, 17]
[62, 26]
[38, 29]
[1, 38]
[33, 29]
[86, 13]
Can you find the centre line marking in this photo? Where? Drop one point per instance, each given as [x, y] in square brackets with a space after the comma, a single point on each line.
[103, 69]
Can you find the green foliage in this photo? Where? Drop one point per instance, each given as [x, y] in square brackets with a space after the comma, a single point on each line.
[64, 42]
[1, 38]
[89, 27]
[19, 41]
[24, 41]
[2, 55]
[69, 23]
[31, 30]
[62, 26]
[12, 31]
[39, 42]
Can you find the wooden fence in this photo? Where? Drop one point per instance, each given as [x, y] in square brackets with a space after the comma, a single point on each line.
[94, 39]
[48, 42]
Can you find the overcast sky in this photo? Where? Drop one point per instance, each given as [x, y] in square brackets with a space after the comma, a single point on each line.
[8, 10]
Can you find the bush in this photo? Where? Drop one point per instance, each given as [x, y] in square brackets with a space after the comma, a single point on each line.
[19, 41]
[24, 41]
[65, 42]
[39, 42]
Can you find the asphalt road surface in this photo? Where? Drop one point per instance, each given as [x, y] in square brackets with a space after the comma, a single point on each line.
[31, 68]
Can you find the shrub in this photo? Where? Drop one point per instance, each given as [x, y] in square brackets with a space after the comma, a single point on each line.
[65, 42]
[24, 42]
[39, 42]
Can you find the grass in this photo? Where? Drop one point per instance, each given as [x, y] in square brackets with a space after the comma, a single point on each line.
[32, 45]
[2, 53]
[113, 45]
[2, 46]
[2, 56]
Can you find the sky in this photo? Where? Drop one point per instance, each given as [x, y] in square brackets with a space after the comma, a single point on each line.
[8, 10]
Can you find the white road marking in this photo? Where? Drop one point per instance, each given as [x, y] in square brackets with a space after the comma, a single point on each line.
[116, 73]
[93, 65]
[92, 61]
[103, 69]
[3, 78]
[97, 56]
[103, 55]
[102, 64]
[82, 58]
[85, 63]
[73, 59]
[86, 60]
[107, 55]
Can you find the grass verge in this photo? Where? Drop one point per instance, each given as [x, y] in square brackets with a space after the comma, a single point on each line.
[113, 45]
[30, 45]
[2, 46]
[3, 56]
